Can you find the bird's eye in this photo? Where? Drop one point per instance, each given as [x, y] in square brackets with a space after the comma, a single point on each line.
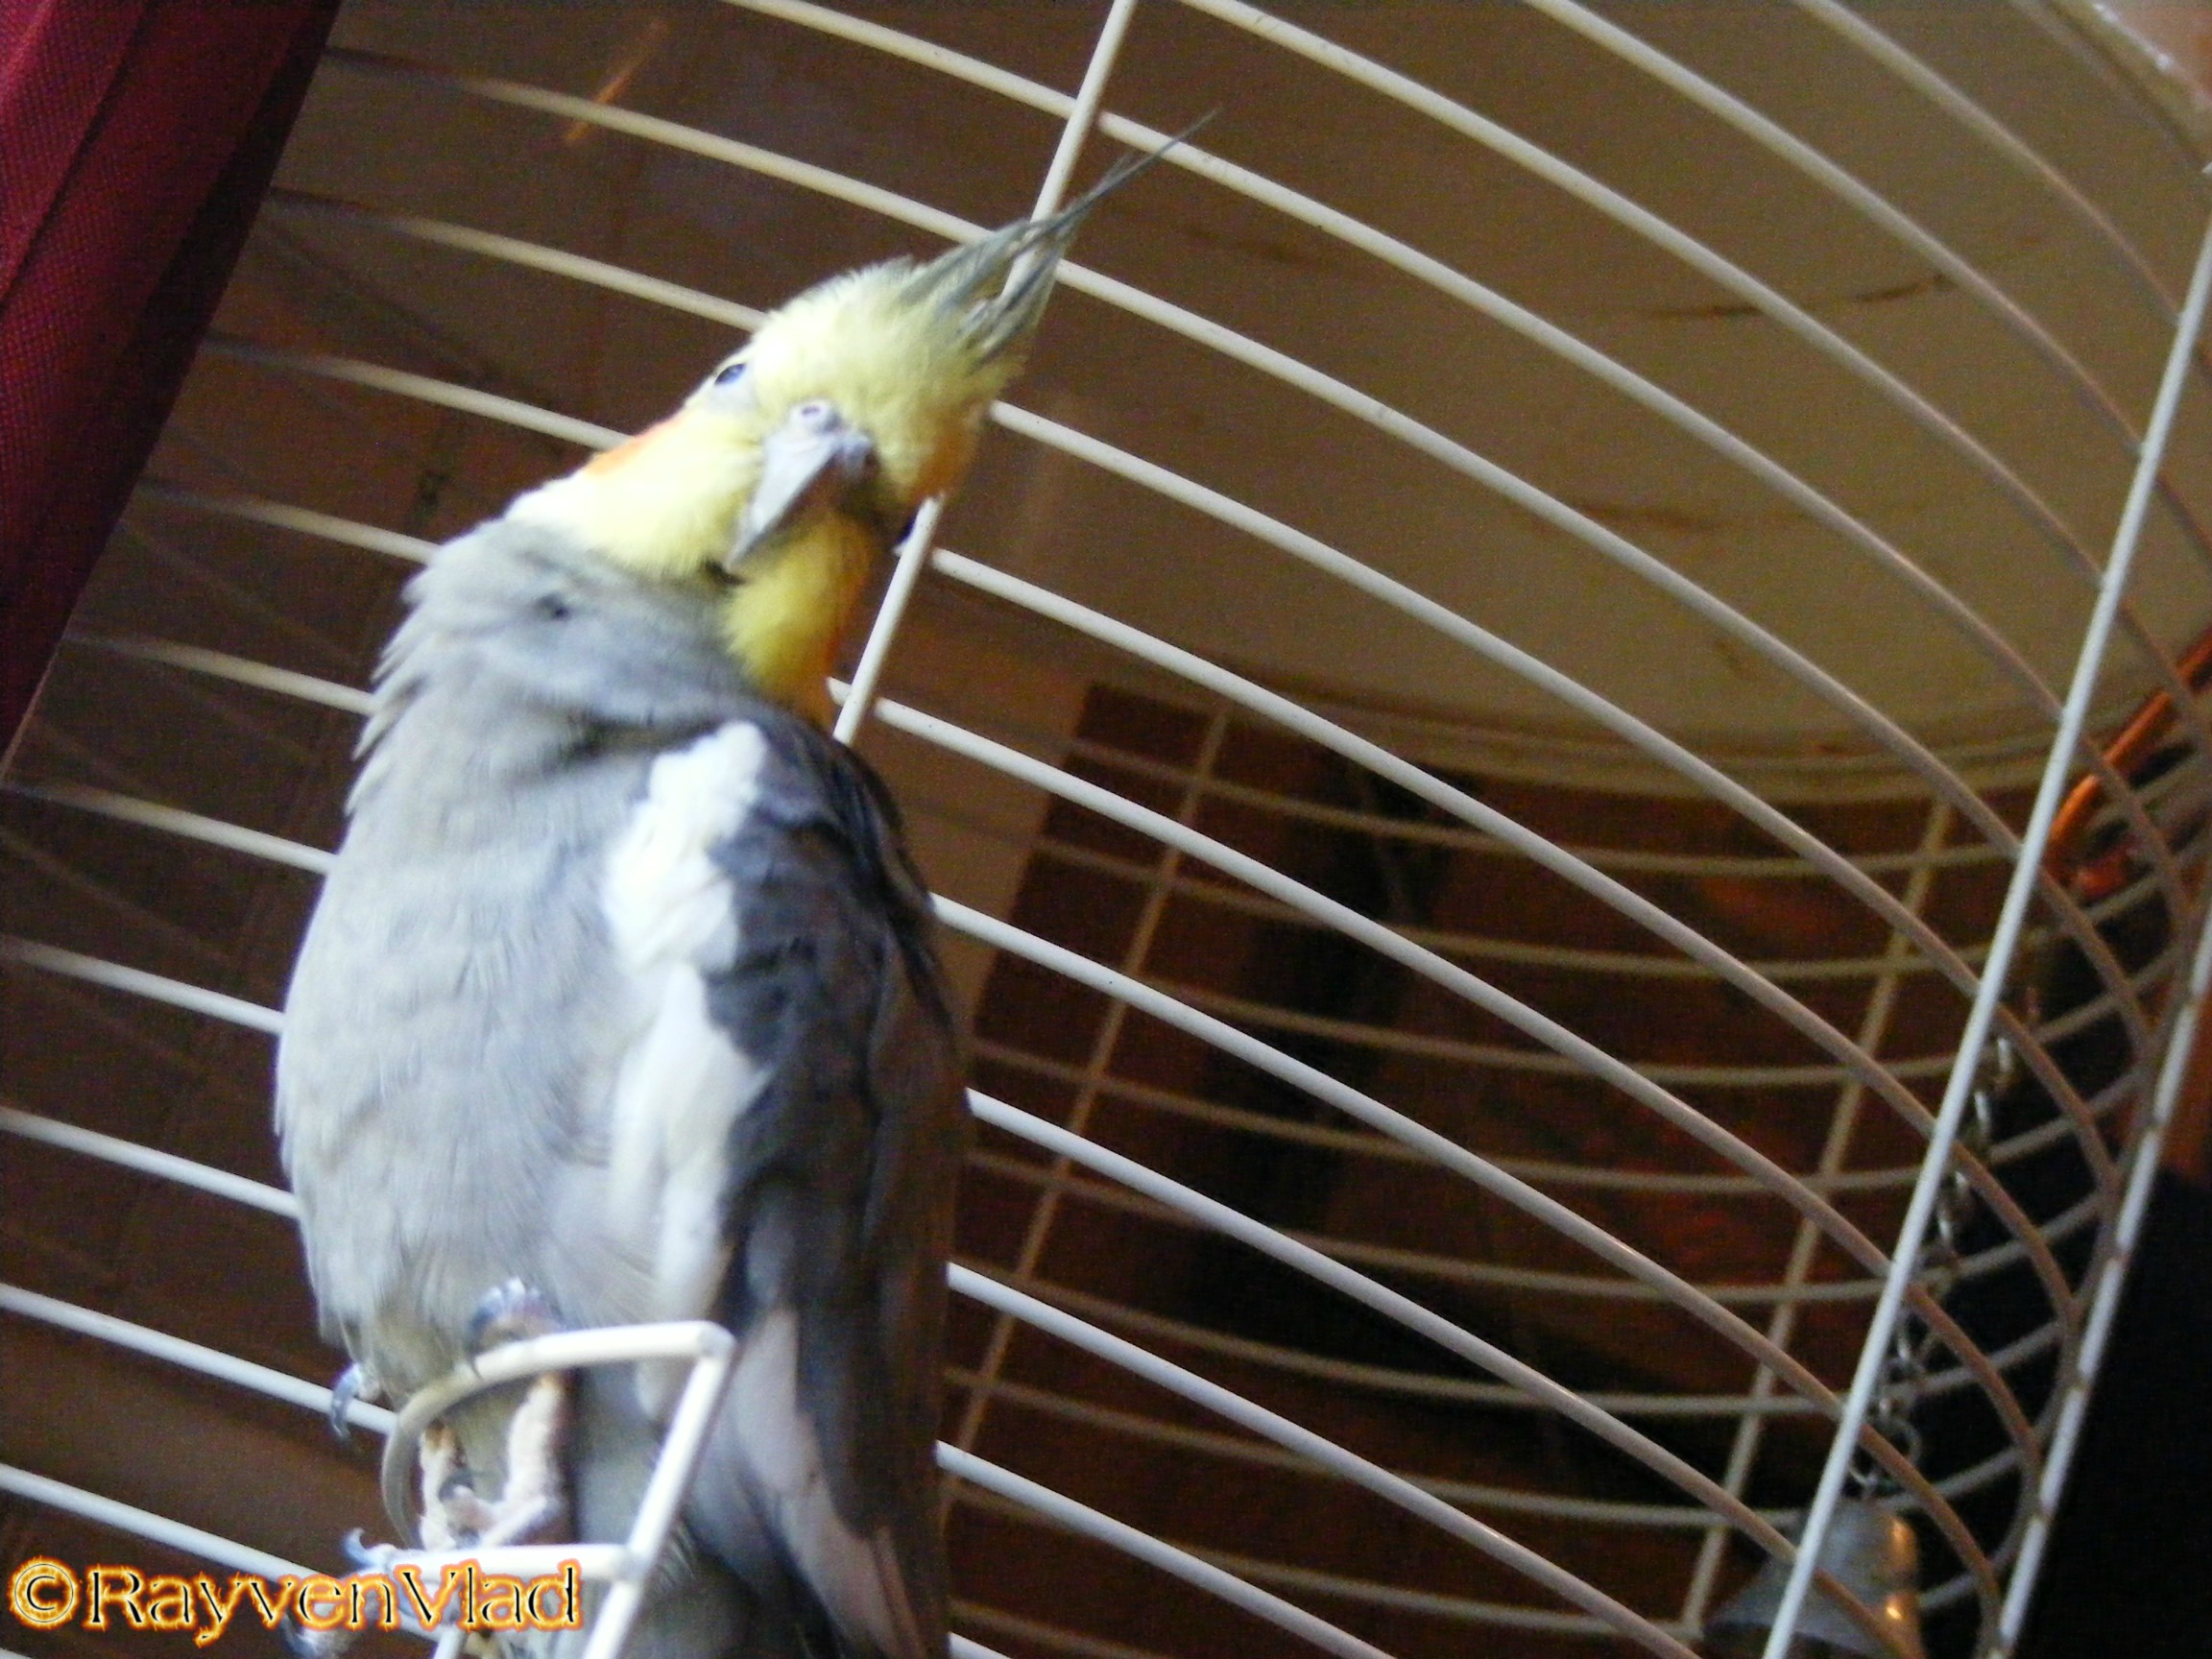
[730, 373]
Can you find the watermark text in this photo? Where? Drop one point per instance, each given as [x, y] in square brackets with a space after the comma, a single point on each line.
[43, 1593]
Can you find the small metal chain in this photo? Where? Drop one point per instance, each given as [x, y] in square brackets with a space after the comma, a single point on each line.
[1915, 1346]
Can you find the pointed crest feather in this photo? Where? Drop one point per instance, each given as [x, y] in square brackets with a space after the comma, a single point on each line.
[1021, 260]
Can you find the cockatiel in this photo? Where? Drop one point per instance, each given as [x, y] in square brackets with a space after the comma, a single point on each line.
[620, 1002]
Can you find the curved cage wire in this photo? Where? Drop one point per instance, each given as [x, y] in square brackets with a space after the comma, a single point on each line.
[1516, 737]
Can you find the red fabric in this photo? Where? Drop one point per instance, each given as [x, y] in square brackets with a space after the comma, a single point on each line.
[137, 137]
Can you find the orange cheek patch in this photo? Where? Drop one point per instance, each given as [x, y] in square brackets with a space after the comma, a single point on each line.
[944, 467]
[624, 452]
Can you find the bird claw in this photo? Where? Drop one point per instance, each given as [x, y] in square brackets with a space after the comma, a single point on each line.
[511, 1312]
[452, 1514]
[368, 1557]
[376, 1563]
[305, 1643]
[356, 1383]
[533, 1505]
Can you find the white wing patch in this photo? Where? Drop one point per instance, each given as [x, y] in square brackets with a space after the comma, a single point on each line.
[681, 1081]
[857, 1578]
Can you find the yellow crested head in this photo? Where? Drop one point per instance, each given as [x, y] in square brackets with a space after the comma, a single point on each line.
[803, 457]
[896, 365]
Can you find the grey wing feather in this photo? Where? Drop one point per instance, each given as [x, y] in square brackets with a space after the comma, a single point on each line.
[838, 1207]
[435, 1078]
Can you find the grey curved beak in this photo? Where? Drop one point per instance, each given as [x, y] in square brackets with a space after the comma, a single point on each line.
[809, 464]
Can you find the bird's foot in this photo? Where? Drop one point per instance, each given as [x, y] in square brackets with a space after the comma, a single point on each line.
[369, 1560]
[453, 1516]
[534, 1507]
[356, 1383]
[367, 1557]
[511, 1312]
[379, 1566]
[306, 1643]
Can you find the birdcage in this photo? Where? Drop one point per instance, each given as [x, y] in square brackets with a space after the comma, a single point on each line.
[1556, 738]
